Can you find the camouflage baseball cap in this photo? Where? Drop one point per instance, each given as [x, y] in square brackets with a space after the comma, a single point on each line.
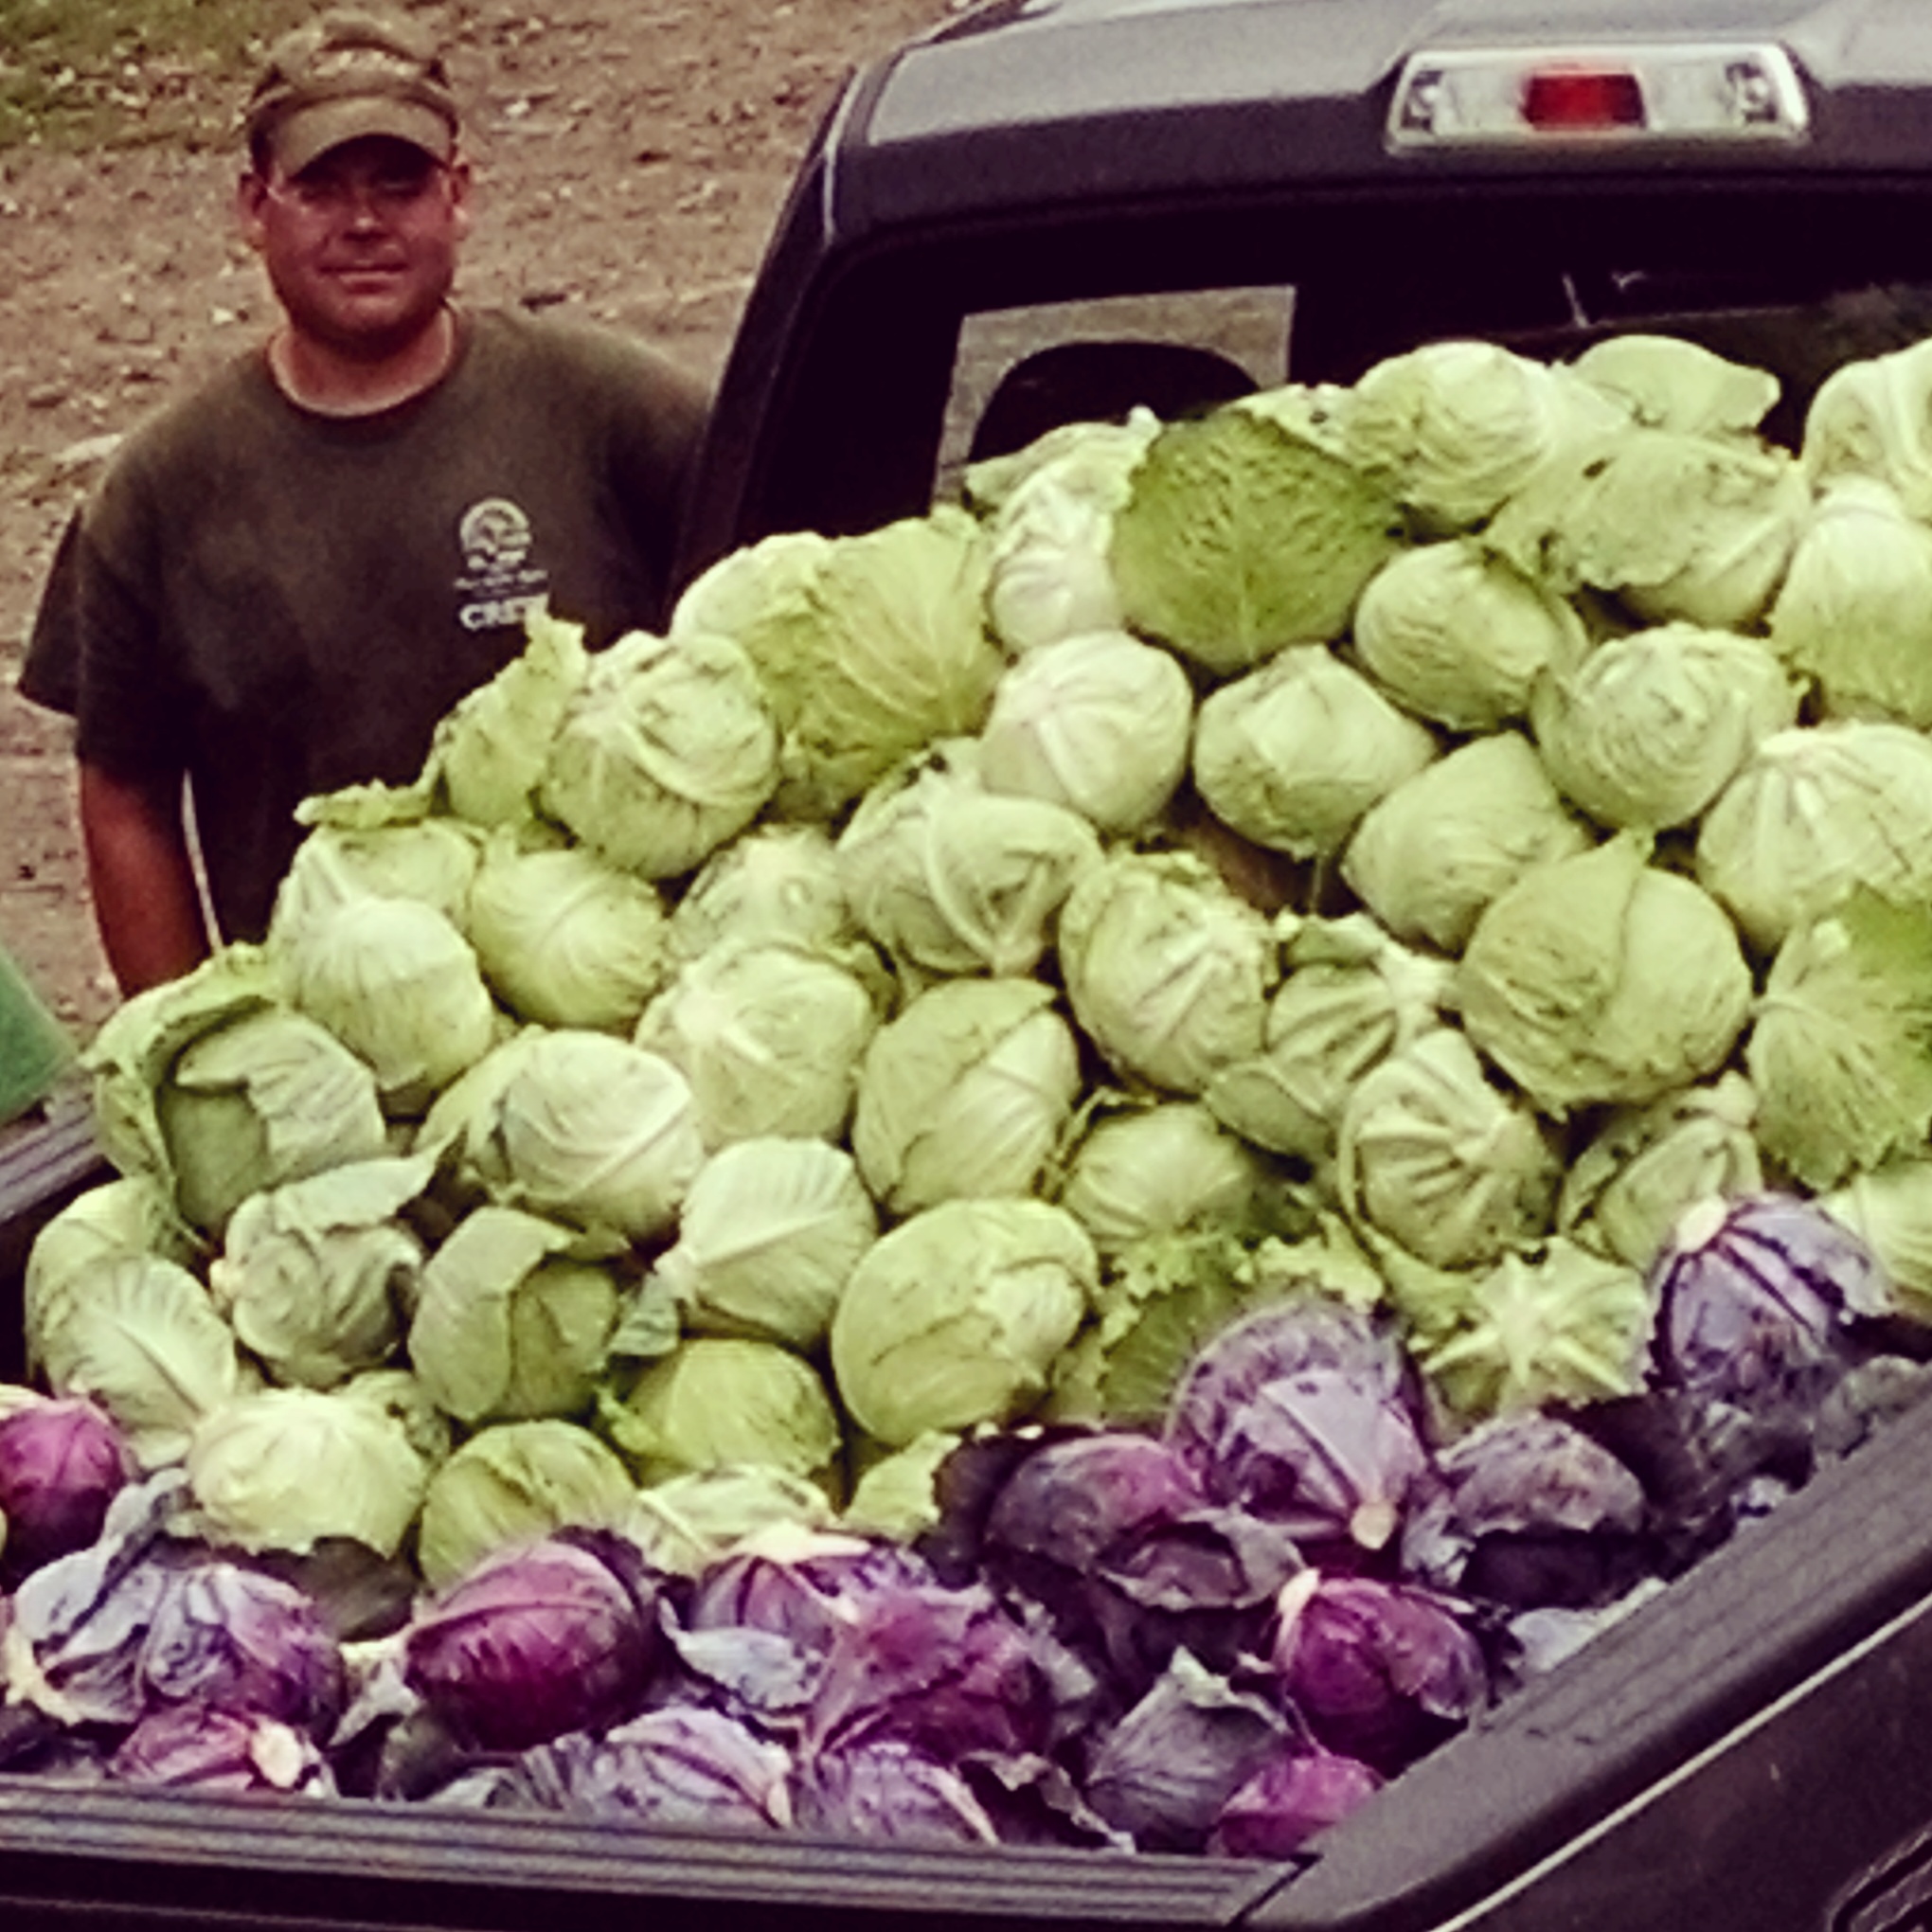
[350, 73]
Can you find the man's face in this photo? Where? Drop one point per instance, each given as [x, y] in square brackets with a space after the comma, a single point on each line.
[361, 246]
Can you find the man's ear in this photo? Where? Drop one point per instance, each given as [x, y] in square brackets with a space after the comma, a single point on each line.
[463, 196]
[251, 193]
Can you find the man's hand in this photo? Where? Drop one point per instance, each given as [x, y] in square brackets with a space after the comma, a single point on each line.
[146, 900]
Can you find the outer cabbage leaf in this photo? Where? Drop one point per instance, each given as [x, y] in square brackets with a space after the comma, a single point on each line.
[1241, 536]
[490, 751]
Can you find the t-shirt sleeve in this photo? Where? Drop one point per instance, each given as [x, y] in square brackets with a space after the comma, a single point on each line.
[98, 643]
[52, 675]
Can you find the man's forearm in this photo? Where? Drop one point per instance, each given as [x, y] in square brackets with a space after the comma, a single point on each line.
[146, 900]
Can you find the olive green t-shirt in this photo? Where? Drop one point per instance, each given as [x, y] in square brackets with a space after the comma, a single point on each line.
[278, 603]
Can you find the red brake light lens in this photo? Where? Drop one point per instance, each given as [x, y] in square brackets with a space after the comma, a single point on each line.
[1578, 100]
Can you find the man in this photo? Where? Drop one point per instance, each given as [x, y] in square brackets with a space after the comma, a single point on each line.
[286, 579]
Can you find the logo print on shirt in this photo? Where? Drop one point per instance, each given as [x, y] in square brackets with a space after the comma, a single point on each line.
[500, 587]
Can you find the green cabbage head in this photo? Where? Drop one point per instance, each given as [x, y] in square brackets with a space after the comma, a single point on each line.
[1152, 1169]
[565, 939]
[1603, 979]
[776, 884]
[397, 983]
[1625, 1190]
[1352, 995]
[288, 1467]
[1435, 1157]
[1648, 729]
[868, 647]
[1816, 812]
[667, 750]
[141, 1336]
[1841, 1049]
[1564, 1326]
[1870, 419]
[1855, 611]
[1295, 753]
[514, 1322]
[315, 1274]
[957, 879]
[1454, 428]
[721, 1402]
[515, 1483]
[1100, 723]
[593, 1131]
[770, 1037]
[767, 1239]
[968, 1091]
[1428, 858]
[955, 1316]
[1456, 634]
[1167, 971]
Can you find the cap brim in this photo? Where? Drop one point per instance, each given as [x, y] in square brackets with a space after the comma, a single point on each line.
[309, 133]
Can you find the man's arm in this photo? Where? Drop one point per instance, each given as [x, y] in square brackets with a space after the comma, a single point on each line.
[146, 900]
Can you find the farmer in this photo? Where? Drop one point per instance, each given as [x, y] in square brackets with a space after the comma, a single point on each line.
[287, 578]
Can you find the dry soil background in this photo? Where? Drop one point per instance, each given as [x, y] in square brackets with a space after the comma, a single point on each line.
[630, 157]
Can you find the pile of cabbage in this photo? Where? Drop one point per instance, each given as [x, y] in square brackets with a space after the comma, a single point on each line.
[1079, 1169]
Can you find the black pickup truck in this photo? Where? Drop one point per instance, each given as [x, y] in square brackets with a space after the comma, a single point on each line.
[1051, 210]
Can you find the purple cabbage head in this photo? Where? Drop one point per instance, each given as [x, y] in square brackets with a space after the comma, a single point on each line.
[681, 1767]
[1531, 1512]
[229, 1639]
[890, 1792]
[1293, 1796]
[536, 1642]
[1115, 1535]
[949, 1670]
[1754, 1298]
[1166, 1770]
[189, 1746]
[1305, 1414]
[61, 1462]
[1379, 1671]
[1287, 1339]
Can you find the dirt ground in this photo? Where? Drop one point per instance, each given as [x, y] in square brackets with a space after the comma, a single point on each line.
[631, 156]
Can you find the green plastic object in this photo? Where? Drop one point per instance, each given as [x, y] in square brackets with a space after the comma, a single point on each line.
[34, 1051]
